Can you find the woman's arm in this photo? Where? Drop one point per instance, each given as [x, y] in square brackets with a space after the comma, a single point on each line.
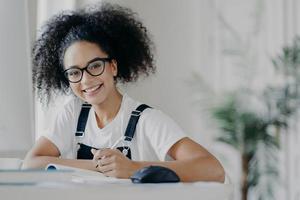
[191, 162]
[45, 152]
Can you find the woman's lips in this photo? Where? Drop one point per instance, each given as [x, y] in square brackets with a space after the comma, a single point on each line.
[93, 89]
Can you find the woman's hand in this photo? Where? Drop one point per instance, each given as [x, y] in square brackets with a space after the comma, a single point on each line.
[111, 162]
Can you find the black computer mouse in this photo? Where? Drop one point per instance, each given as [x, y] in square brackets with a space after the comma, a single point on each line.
[154, 174]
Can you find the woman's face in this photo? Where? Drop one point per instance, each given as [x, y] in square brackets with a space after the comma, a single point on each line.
[92, 89]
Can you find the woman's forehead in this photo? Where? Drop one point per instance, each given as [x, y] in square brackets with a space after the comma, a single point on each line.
[80, 53]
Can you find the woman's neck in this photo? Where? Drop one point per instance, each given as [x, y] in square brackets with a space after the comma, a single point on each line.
[107, 111]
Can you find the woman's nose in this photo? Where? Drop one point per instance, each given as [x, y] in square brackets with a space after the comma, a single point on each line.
[86, 76]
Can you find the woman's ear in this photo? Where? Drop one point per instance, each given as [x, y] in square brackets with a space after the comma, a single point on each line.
[114, 67]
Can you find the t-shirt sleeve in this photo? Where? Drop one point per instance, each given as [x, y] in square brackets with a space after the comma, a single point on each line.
[162, 131]
[61, 132]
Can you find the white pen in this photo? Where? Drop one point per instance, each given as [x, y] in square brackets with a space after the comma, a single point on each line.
[117, 142]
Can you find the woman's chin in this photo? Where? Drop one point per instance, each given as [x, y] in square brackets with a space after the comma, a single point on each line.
[94, 100]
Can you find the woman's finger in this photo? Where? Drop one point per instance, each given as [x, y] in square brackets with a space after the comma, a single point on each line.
[106, 168]
[98, 154]
[107, 160]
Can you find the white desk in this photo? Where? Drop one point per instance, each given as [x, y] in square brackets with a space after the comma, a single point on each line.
[83, 185]
[114, 191]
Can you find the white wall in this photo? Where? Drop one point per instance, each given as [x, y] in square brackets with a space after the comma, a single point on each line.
[16, 114]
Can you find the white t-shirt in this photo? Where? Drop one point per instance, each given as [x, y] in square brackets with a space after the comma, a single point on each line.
[155, 132]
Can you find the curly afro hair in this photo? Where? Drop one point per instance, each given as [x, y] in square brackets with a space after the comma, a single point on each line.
[114, 28]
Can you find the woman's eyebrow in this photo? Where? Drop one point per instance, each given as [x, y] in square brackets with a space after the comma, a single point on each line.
[94, 59]
[89, 62]
[73, 66]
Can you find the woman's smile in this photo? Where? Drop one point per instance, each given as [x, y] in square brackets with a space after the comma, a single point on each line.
[91, 91]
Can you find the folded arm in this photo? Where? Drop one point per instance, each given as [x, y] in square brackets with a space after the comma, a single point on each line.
[45, 152]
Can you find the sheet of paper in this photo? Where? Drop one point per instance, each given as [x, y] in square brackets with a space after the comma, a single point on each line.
[86, 176]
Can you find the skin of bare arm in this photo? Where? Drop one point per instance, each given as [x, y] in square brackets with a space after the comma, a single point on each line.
[191, 162]
[45, 152]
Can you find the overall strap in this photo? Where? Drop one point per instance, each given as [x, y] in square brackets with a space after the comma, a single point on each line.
[134, 118]
[83, 117]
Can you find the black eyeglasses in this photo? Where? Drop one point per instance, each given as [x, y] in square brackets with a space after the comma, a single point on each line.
[95, 67]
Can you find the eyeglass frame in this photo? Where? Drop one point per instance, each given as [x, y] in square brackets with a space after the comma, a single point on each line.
[104, 60]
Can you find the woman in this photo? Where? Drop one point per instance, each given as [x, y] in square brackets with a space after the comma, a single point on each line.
[90, 51]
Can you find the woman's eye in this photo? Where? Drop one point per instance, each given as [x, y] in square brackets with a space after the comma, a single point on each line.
[74, 73]
[95, 66]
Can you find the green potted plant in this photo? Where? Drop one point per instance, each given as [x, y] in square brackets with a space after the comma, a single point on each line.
[256, 135]
[251, 135]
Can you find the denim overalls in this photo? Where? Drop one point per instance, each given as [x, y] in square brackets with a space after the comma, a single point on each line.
[84, 151]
